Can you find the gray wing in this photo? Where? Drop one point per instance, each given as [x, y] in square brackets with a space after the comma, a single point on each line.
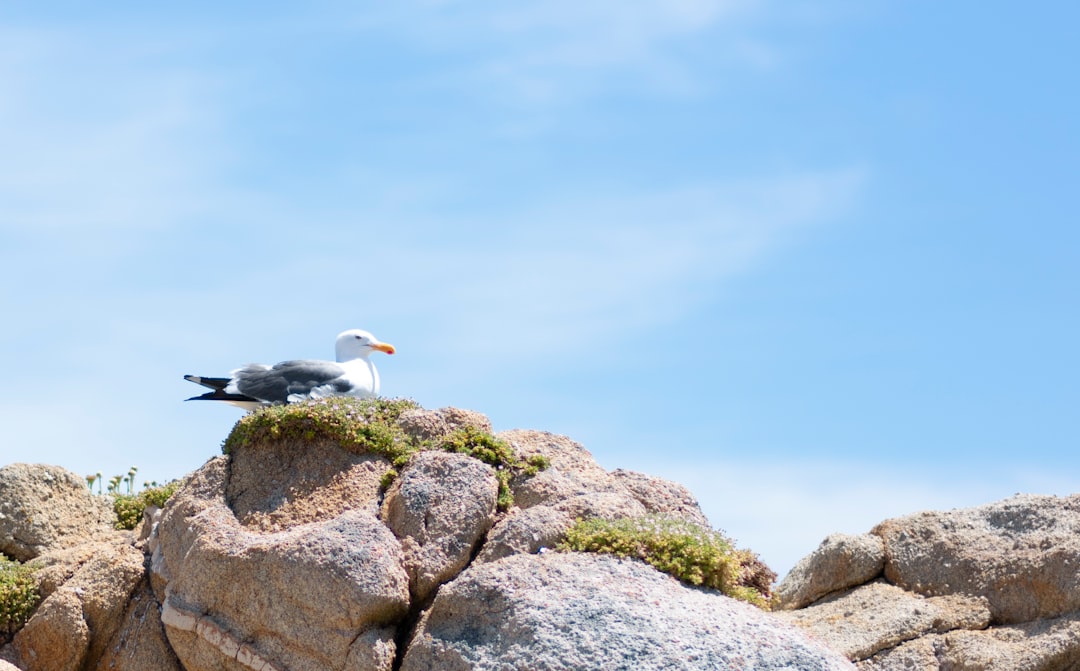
[276, 384]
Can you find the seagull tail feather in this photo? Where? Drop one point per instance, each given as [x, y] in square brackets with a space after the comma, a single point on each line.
[217, 383]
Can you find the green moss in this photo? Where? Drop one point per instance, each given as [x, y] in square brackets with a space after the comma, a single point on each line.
[684, 550]
[129, 507]
[18, 596]
[535, 464]
[357, 425]
[370, 426]
[498, 453]
[388, 478]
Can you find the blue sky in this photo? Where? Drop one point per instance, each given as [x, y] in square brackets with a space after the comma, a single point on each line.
[817, 261]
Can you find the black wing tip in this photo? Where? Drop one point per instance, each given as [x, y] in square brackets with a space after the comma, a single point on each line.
[218, 395]
[215, 383]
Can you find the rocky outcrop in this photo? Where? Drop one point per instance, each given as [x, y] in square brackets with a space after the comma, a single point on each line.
[1020, 554]
[579, 611]
[841, 561]
[996, 588]
[96, 612]
[440, 509]
[305, 596]
[48, 507]
[573, 486]
[253, 530]
[431, 424]
[661, 496]
[301, 553]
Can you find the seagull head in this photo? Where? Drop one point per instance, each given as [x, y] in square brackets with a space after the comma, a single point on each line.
[357, 344]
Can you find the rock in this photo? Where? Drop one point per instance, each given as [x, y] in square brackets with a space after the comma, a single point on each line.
[431, 424]
[74, 624]
[572, 487]
[526, 531]
[581, 611]
[48, 507]
[1021, 554]
[276, 485]
[572, 470]
[310, 596]
[878, 616]
[440, 508]
[993, 587]
[151, 516]
[56, 638]
[573, 483]
[602, 505]
[1035, 646]
[140, 644]
[840, 562]
[662, 496]
[55, 567]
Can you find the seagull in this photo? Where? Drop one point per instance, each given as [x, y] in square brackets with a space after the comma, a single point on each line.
[257, 385]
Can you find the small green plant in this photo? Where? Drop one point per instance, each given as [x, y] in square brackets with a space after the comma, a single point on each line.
[494, 452]
[18, 596]
[535, 464]
[129, 507]
[361, 426]
[371, 426]
[388, 478]
[692, 554]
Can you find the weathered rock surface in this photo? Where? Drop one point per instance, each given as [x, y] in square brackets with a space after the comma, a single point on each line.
[295, 482]
[993, 587]
[140, 644]
[878, 615]
[572, 472]
[580, 611]
[83, 607]
[48, 507]
[440, 508]
[289, 555]
[312, 596]
[526, 531]
[840, 562]
[658, 495]
[1043, 645]
[432, 424]
[1022, 554]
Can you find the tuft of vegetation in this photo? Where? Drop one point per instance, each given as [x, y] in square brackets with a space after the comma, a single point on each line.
[693, 554]
[18, 596]
[370, 426]
[490, 450]
[129, 507]
[388, 478]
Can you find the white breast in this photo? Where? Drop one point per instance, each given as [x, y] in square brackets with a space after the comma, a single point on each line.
[363, 377]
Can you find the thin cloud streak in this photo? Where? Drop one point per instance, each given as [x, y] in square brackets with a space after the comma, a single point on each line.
[594, 267]
[557, 52]
[94, 143]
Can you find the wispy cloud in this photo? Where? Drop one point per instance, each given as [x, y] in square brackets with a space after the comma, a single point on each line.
[556, 51]
[517, 285]
[94, 141]
[599, 267]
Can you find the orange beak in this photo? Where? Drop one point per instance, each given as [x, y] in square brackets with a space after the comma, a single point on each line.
[383, 347]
